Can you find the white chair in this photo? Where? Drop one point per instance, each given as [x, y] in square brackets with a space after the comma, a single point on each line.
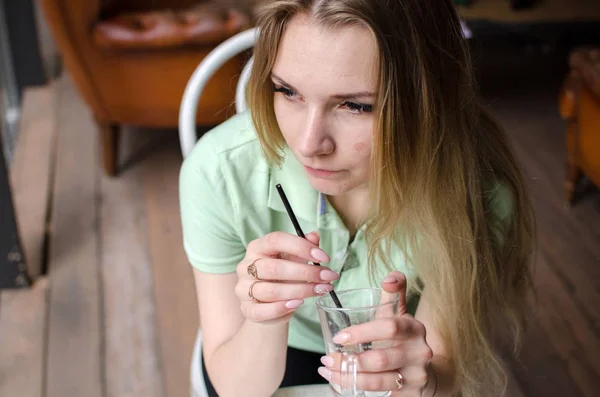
[209, 65]
[188, 137]
[197, 384]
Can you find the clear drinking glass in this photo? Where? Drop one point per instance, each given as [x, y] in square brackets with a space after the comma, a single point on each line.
[358, 306]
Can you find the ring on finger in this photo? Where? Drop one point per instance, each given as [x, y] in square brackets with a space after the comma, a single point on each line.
[252, 272]
[250, 291]
[399, 381]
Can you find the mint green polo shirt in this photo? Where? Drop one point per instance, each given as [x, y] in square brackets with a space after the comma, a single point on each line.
[228, 198]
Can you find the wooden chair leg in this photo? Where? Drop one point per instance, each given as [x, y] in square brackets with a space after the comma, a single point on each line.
[573, 173]
[573, 178]
[109, 138]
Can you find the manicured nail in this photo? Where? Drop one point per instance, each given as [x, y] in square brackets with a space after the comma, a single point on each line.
[340, 338]
[390, 280]
[328, 275]
[319, 255]
[324, 372]
[323, 289]
[327, 361]
[294, 304]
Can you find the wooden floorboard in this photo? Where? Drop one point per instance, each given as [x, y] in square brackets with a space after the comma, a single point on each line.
[541, 371]
[32, 169]
[132, 364]
[23, 339]
[173, 277]
[568, 331]
[75, 354]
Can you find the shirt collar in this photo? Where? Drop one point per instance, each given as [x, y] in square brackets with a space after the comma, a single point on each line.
[302, 196]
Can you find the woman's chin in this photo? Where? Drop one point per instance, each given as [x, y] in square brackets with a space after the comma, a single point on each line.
[329, 187]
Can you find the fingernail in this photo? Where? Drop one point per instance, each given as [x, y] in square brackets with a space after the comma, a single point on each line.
[322, 289]
[342, 337]
[390, 280]
[324, 372]
[327, 361]
[294, 304]
[328, 275]
[319, 255]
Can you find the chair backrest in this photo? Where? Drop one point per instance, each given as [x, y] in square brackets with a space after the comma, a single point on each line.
[209, 65]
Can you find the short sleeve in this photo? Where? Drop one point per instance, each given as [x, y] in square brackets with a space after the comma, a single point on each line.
[210, 239]
[501, 206]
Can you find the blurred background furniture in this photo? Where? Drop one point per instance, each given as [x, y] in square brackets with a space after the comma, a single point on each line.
[528, 11]
[131, 59]
[580, 107]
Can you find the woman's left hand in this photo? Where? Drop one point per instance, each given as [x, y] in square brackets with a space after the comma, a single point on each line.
[405, 364]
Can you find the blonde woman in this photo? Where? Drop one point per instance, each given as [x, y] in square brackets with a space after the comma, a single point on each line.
[366, 112]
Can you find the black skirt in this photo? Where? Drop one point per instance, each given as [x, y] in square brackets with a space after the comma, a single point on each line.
[300, 369]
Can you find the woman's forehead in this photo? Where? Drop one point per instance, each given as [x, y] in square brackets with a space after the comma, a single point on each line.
[326, 56]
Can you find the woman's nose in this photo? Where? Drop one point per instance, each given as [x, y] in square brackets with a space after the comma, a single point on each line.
[316, 140]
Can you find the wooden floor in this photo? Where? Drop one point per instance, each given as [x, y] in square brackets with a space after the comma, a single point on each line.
[116, 314]
[561, 353]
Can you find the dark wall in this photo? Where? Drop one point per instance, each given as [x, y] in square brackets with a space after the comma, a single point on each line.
[23, 39]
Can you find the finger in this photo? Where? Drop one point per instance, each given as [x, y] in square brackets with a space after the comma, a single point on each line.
[314, 238]
[263, 312]
[284, 270]
[415, 379]
[394, 285]
[392, 328]
[277, 243]
[381, 360]
[266, 291]
[374, 381]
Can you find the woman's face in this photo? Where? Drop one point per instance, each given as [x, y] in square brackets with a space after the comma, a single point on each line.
[324, 82]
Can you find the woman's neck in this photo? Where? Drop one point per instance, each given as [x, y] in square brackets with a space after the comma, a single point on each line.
[352, 208]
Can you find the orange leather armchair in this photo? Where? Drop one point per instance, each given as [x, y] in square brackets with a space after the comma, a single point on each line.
[579, 104]
[131, 59]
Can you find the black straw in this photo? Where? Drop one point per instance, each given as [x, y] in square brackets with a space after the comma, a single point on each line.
[290, 212]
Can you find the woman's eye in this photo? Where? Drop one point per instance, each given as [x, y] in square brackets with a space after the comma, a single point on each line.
[358, 108]
[284, 90]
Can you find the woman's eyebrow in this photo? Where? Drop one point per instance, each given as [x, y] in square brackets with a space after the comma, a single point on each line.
[282, 82]
[364, 94]
[352, 95]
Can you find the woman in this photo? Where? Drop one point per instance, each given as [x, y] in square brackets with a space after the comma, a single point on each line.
[365, 111]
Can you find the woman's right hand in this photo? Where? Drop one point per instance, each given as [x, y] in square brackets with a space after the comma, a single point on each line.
[284, 278]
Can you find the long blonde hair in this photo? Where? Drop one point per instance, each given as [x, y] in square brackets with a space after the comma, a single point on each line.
[437, 158]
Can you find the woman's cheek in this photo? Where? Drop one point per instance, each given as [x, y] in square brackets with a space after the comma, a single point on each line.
[288, 118]
[360, 147]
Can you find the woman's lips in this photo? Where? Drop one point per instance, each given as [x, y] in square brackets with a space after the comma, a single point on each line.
[321, 173]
